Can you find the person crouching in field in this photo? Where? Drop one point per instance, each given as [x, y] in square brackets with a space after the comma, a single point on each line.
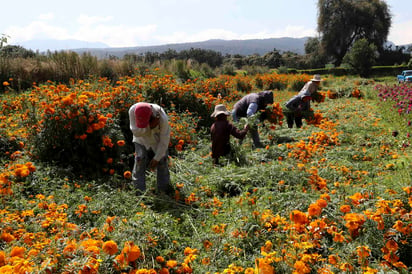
[151, 135]
[221, 130]
[299, 105]
[250, 105]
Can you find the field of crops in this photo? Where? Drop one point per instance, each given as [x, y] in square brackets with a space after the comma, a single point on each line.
[334, 196]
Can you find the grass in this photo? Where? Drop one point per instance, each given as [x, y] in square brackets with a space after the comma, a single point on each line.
[236, 217]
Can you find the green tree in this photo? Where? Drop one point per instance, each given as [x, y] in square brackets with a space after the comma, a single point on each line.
[11, 51]
[3, 39]
[272, 59]
[342, 22]
[361, 57]
[315, 56]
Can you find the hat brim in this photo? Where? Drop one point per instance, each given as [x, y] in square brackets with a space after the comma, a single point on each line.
[215, 114]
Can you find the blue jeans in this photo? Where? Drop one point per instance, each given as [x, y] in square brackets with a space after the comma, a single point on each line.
[142, 159]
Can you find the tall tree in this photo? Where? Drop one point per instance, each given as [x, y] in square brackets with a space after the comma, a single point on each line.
[342, 22]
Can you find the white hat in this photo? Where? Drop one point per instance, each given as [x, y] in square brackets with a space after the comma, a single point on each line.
[316, 78]
[219, 109]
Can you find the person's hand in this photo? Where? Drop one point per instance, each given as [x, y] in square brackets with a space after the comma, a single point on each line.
[153, 164]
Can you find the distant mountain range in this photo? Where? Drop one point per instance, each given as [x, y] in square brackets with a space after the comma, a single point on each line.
[242, 47]
[53, 45]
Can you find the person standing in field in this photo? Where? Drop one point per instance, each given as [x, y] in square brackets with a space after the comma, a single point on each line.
[249, 105]
[151, 135]
[298, 105]
[221, 130]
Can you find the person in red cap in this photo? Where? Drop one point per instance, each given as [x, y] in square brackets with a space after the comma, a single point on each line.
[151, 135]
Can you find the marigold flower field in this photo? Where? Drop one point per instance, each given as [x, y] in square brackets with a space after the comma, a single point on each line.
[334, 196]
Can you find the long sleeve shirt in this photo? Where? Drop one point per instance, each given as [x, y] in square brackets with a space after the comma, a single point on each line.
[156, 139]
[220, 133]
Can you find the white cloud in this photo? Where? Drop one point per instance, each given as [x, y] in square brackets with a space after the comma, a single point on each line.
[180, 37]
[36, 30]
[401, 33]
[46, 16]
[90, 20]
[116, 36]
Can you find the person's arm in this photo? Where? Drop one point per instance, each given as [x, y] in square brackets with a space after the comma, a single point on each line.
[252, 108]
[240, 134]
[164, 137]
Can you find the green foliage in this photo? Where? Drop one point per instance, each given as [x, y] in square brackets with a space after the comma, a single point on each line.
[361, 57]
[10, 51]
[341, 23]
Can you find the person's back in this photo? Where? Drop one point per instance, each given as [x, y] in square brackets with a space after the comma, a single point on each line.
[221, 130]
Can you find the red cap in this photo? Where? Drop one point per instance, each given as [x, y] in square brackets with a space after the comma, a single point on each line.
[142, 112]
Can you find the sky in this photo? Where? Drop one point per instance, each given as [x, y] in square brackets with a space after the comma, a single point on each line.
[128, 23]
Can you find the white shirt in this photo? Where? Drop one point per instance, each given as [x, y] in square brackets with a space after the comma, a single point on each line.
[156, 139]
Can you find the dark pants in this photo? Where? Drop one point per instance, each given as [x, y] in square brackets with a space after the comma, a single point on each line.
[293, 118]
[142, 160]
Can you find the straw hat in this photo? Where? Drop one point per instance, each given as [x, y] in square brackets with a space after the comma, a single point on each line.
[220, 109]
[316, 78]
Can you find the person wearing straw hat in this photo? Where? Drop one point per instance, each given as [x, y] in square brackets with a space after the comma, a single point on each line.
[300, 103]
[151, 135]
[221, 130]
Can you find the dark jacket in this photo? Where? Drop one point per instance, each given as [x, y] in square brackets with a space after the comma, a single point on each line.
[262, 99]
[221, 131]
[296, 103]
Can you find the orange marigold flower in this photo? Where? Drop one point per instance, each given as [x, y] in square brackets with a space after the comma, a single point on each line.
[338, 237]
[206, 261]
[164, 271]
[110, 247]
[207, 244]
[301, 267]
[160, 259]
[345, 208]
[2, 258]
[121, 143]
[189, 251]
[298, 217]
[333, 259]
[363, 251]
[131, 251]
[264, 266]
[391, 245]
[17, 251]
[314, 210]
[127, 174]
[322, 203]
[171, 263]
[7, 237]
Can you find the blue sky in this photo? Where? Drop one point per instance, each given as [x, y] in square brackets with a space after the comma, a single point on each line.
[124, 23]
